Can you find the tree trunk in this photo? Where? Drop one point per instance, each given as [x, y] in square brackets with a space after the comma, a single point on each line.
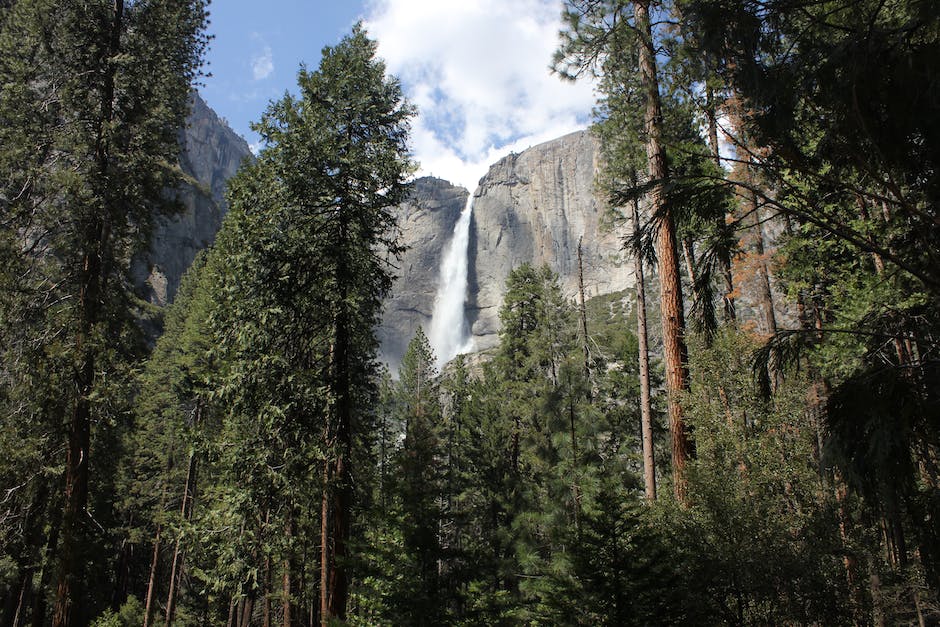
[325, 542]
[247, 609]
[232, 607]
[287, 592]
[582, 312]
[724, 256]
[337, 488]
[646, 411]
[575, 486]
[186, 511]
[68, 605]
[39, 599]
[24, 586]
[152, 581]
[266, 605]
[673, 316]
[20, 595]
[765, 296]
[688, 253]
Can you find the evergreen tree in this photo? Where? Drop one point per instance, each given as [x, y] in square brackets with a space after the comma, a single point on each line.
[173, 421]
[420, 490]
[306, 246]
[94, 96]
[840, 125]
[619, 38]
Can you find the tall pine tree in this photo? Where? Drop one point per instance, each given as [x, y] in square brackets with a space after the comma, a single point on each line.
[94, 96]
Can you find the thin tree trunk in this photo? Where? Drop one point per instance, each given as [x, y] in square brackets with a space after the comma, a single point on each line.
[575, 487]
[646, 412]
[673, 316]
[325, 544]
[724, 256]
[266, 604]
[582, 311]
[20, 594]
[24, 585]
[186, 510]
[688, 253]
[39, 599]
[286, 585]
[765, 296]
[151, 582]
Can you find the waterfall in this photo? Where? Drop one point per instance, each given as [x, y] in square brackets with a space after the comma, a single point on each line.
[449, 335]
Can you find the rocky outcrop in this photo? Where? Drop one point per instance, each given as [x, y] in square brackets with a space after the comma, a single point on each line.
[427, 222]
[212, 153]
[535, 207]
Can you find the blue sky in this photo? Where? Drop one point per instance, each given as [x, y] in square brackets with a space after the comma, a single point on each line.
[257, 49]
[476, 69]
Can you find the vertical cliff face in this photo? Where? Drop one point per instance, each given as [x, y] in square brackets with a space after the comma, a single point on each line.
[531, 207]
[427, 222]
[535, 207]
[212, 153]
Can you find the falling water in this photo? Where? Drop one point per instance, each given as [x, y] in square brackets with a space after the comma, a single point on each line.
[449, 335]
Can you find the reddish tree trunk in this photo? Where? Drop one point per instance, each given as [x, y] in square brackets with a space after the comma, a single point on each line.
[673, 316]
[337, 487]
[186, 510]
[152, 581]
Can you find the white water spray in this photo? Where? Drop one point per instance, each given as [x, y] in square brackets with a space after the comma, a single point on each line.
[449, 335]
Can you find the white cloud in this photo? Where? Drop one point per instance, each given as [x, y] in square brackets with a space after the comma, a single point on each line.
[262, 64]
[478, 72]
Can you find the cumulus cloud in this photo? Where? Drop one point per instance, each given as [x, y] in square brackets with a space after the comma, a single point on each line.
[478, 70]
[262, 64]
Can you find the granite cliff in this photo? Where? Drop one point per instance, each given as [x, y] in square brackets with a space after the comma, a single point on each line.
[211, 154]
[533, 207]
[536, 207]
[427, 222]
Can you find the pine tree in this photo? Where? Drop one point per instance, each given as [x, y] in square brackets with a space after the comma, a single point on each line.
[420, 486]
[839, 126]
[607, 33]
[95, 94]
[307, 251]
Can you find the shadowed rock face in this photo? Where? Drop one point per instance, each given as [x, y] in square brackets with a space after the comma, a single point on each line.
[212, 153]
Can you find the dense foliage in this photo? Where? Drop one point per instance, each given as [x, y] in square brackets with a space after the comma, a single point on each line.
[93, 95]
[257, 465]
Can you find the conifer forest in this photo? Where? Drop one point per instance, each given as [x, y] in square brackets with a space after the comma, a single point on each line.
[666, 455]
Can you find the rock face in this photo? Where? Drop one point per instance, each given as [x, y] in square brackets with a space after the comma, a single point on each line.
[532, 207]
[427, 222]
[535, 207]
[211, 155]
